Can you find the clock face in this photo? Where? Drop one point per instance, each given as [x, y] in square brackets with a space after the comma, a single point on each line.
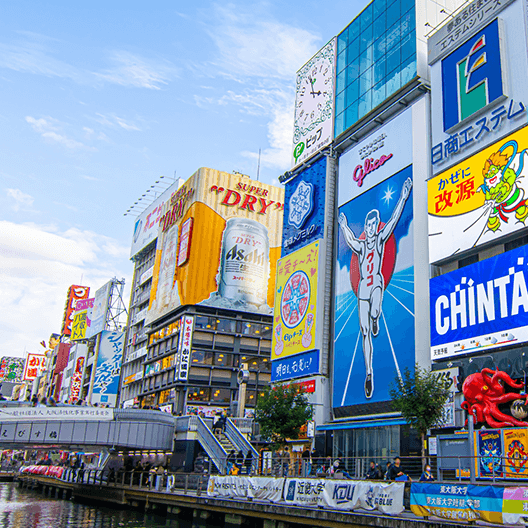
[315, 94]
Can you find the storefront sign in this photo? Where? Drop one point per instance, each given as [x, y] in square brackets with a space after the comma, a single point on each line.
[34, 367]
[184, 347]
[297, 366]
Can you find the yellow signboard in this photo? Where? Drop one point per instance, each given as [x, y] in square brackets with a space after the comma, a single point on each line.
[295, 303]
[218, 245]
[480, 199]
[78, 329]
[515, 453]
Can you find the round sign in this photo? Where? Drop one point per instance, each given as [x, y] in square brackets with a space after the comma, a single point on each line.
[295, 299]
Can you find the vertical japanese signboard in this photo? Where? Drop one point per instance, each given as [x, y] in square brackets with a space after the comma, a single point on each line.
[76, 379]
[184, 347]
[81, 319]
[75, 293]
[34, 367]
[108, 368]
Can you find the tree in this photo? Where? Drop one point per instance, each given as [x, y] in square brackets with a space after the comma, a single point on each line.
[420, 398]
[281, 411]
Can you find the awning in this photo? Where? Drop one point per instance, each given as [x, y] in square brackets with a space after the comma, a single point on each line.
[360, 424]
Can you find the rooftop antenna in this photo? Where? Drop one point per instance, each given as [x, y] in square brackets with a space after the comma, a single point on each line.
[258, 167]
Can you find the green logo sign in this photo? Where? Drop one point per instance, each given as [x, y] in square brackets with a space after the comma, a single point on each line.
[298, 150]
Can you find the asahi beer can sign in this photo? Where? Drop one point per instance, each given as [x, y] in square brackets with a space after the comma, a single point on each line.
[244, 264]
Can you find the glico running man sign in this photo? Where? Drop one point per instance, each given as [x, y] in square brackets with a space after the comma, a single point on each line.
[481, 306]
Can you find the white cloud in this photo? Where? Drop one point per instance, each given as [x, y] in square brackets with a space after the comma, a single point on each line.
[48, 128]
[114, 121]
[37, 265]
[133, 70]
[22, 200]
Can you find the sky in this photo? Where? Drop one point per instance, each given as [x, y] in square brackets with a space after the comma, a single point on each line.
[99, 99]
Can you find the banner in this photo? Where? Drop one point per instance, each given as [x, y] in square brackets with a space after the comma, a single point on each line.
[108, 369]
[81, 319]
[75, 293]
[458, 503]
[294, 317]
[514, 505]
[490, 453]
[76, 379]
[345, 494]
[77, 412]
[516, 453]
[262, 488]
[11, 369]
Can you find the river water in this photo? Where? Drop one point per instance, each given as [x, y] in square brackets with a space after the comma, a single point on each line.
[22, 508]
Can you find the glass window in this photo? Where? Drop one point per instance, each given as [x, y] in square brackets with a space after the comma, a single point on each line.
[266, 331]
[393, 82]
[353, 50]
[353, 70]
[378, 7]
[342, 42]
[352, 92]
[251, 329]
[253, 363]
[251, 398]
[365, 59]
[199, 357]
[365, 104]
[379, 25]
[339, 124]
[365, 81]
[341, 81]
[378, 94]
[379, 71]
[264, 365]
[351, 114]
[225, 325]
[341, 61]
[408, 70]
[406, 5]
[340, 102]
[393, 59]
[366, 17]
[407, 24]
[365, 39]
[200, 322]
[223, 360]
[198, 394]
[221, 395]
[353, 30]
[379, 49]
[393, 13]
[408, 46]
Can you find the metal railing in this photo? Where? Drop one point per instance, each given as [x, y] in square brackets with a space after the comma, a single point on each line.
[240, 442]
[211, 445]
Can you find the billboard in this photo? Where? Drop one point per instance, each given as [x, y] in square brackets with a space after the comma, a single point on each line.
[515, 443]
[304, 208]
[294, 317]
[481, 306]
[34, 366]
[181, 373]
[227, 257]
[375, 158]
[81, 319]
[75, 293]
[480, 199]
[99, 310]
[374, 313]
[76, 379]
[147, 223]
[106, 383]
[11, 369]
[314, 104]
[478, 84]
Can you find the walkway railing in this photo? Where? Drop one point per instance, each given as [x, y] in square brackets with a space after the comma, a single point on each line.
[241, 444]
[211, 445]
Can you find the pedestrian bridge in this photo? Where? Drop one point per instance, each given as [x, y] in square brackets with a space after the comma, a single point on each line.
[72, 427]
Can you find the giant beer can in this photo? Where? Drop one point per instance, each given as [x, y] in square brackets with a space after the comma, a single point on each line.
[244, 262]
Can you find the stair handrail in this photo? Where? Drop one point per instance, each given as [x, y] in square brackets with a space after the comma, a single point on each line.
[241, 443]
[211, 445]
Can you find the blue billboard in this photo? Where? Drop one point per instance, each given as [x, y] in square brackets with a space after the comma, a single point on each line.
[374, 316]
[297, 366]
[481, 306]
[304, 208]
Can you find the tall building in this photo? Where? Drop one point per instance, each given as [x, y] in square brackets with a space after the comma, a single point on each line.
[210, 279]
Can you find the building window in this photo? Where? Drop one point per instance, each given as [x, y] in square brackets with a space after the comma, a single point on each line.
[199, 357]
[199, 394]
[223, 360]
[207, 323]
[251, 397]
[376, 56]
[221, 395]
[226, 325]
[467, 261]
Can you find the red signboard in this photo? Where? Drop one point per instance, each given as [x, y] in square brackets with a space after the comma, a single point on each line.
[35, 366]
[75, 293]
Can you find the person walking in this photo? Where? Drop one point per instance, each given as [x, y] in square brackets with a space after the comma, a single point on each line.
[231, 460]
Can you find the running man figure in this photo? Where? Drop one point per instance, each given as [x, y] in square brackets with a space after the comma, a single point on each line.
[371, 284]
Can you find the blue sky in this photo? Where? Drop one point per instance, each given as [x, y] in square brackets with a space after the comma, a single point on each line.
[101, 98]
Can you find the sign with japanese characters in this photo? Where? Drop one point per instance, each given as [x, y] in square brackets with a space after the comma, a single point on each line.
[19, 414]
[108, 368]
[184, 347]
[514, 505]
[260, 488]
[479, 90]
[300, 365]
[481, 306]
[35, 366]
[480, 199]
[76, 379]
[75, 293]
[515, 453]
[376, 158]
[11, 369]
[81, 319]
[304, 208]
[294, 318]
[99, 310]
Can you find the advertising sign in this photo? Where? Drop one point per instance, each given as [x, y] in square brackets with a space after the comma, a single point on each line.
[11, 369]
[35, 365]
[297, 366]
[490, 453]
[479, 90]
[77, 413]
[261, 488]
[75, 293]
[515, 453]
[314, 104]
[108, 368]
[231, 254]
[294, 318]
[304, 208]
[76, 379]
[82, 319]
[481, 306]
[99, 310]
[184, 347]
[374, 317]
[479, 200]
[374, 159]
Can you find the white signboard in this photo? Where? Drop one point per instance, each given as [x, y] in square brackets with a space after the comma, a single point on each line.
[75, 412]
[314, 104]
[184, 345]
[99, 310]
[375, 158]
[261, 488]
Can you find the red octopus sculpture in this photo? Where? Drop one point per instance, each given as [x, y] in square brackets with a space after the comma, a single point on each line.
[484, 391]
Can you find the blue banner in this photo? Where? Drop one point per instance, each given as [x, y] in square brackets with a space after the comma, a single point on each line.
[481, 306]
[297, 366]
[106, 384]
[304, 208]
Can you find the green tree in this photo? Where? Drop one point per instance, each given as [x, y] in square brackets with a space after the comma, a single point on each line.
[420, 398]
[281, 411]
